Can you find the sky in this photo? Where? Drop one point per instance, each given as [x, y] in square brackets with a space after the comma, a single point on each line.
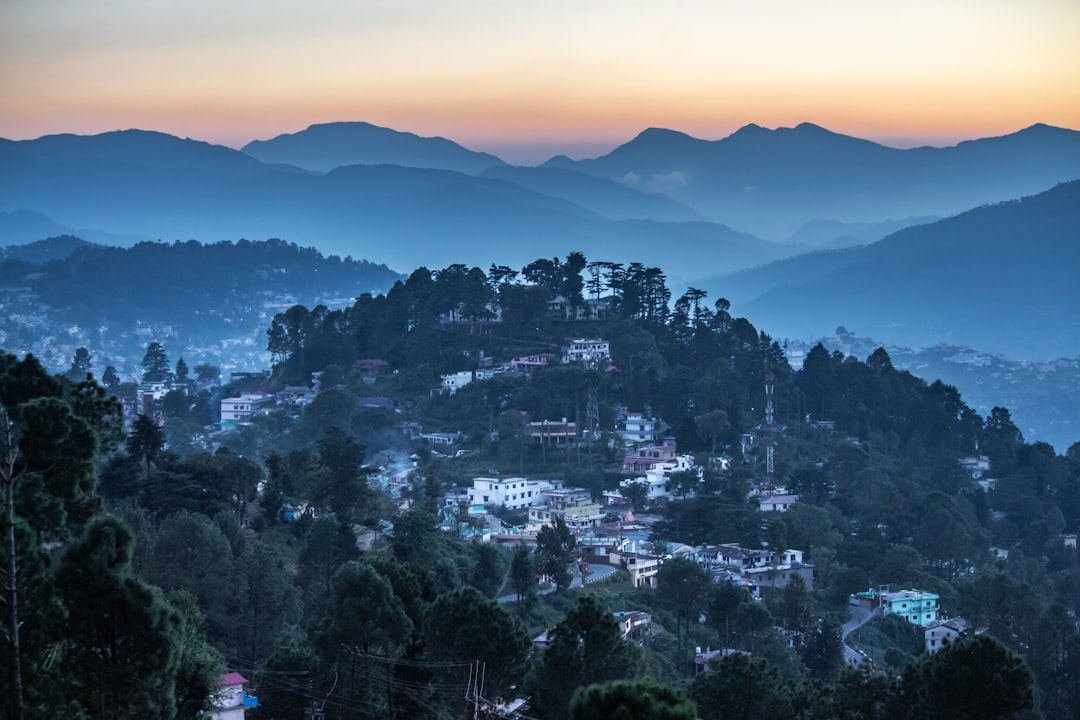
[527, 80]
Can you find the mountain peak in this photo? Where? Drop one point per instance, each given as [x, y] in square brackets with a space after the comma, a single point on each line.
[325, 146]
[655, 134]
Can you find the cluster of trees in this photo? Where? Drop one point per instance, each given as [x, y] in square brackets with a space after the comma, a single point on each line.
[212, 289]
[404, 325]
[127, 282]
[77, 618]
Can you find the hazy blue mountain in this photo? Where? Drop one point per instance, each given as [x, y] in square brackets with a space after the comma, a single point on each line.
[42, 251]
[605, 197]
[124, 149]
[326, 146]
[771, 182]
[743, 286]
[24, 226]
[403, 217]
[833, 234]
[1000, 278]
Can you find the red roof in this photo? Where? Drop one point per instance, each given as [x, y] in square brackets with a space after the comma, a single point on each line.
[232, 678]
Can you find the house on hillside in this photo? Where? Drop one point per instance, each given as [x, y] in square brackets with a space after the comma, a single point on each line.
[371, 367]
[634, 625]
[915, 606]
[942, 633]
[643, 569]
[586, 351]
[574, 505]
[553, 432]
[528, 363]
[776, 503]
[232, 700]
[239, 409]
[637, 429]
[512, 493]
[453, 382]
[658, 458]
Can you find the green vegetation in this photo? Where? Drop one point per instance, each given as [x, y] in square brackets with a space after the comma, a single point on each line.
[273, 552]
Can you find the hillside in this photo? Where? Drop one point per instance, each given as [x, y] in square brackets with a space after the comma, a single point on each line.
[62, 293]
[1000, 278]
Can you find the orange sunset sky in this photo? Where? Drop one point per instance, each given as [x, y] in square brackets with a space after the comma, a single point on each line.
[529, 80]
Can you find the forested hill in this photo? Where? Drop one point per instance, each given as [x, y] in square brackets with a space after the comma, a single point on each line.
[203, 291]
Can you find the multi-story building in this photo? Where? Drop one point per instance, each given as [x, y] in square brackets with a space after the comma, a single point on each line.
[552, 432]
[513, 493]
[915, 606]
[236, 409]
[587, 350]
[638, 429]
[657, 458]
[941, 633]
[574, 505]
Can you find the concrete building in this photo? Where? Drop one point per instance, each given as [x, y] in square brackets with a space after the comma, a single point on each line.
[513, 493]
[942, 633]
[915, 606]
[455, 381]
[638, 429]
[237, 409]
[574, 505]
[587, 350]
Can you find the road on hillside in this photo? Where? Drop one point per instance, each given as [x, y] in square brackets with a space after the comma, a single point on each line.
[596, 574]
[859, 615]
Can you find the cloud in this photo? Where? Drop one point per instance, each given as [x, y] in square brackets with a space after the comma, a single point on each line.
[669, 182]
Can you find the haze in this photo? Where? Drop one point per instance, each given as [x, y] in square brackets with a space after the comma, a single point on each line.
[529, 80]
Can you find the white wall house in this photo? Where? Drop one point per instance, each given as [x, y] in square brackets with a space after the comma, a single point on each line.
[587, 350]
[942, 633]
[658, 459]
[455, 381]
[512, 493]
[638, 429]
[574, 505]
[776, 503]
[235, 409]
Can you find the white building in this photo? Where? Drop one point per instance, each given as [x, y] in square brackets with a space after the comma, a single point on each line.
[638, 429]
[574, 505]
[587, 350]
[455, 381]
[512, 493]
[661, 459]
[941, 633]
[776, 503]
[235, 409]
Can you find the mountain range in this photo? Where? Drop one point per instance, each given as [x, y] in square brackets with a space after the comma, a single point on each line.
[771, 182]
[697, 209]
[1001, 278]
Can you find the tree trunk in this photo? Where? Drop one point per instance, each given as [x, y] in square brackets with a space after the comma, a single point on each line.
[12, 568]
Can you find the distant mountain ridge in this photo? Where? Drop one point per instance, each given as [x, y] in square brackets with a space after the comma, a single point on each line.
[402, 216]
[323, 147]
[770, 182]
[1000, 278]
